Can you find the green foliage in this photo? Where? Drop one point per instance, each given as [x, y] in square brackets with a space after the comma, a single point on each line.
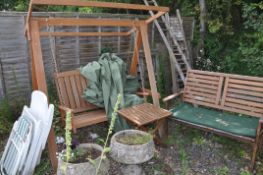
[68, 137]
[6, 116]
[245, 172]
[222, 171]
[110, 130]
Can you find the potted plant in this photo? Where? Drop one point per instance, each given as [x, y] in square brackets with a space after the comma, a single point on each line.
[132, 147]
[87, 158]
[81, 159]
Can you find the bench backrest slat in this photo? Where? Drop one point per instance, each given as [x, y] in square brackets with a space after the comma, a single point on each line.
[70, 87]
[203, 88]
[244, 95]
[234, 93]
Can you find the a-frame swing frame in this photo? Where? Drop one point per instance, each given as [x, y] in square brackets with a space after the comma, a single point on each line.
[33, 32]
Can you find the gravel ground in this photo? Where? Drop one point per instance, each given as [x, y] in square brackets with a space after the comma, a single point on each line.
[187, 152]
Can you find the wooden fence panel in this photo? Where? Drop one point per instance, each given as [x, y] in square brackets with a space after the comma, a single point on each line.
[70, 52]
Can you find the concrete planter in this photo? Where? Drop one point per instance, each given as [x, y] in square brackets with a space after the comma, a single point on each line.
[131, 154]
[85, 168]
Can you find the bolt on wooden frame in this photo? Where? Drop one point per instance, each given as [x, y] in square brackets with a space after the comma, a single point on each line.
[33, 32]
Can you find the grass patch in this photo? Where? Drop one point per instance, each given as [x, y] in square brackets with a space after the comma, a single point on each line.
[222, 171]
[134, 139]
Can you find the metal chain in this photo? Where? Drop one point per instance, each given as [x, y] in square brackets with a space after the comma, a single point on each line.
[51, 44]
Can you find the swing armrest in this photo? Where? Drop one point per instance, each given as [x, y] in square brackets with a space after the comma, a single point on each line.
[170, 97]
[145, 92]
[65, 109]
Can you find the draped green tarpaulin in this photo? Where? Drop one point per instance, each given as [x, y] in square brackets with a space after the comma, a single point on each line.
[106, 79]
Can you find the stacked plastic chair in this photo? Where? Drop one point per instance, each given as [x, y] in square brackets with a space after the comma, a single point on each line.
[28, 137]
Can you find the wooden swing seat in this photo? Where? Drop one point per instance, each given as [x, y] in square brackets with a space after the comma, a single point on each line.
[70, 87]
[207, 95]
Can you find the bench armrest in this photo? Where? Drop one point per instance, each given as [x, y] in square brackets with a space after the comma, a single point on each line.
[170, 97]
[65, 109]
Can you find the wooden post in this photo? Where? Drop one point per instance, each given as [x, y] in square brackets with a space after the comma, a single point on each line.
[39, 81]
[136, 53]
[149, 63]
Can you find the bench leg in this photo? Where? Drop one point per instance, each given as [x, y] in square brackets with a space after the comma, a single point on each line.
[254, 154]
[255, 147]
[74, 130]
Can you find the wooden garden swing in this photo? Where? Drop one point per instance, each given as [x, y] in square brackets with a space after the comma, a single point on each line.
[33, 32]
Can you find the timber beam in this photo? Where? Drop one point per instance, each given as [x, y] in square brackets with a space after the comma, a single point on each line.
[81, 3]
[43, 22]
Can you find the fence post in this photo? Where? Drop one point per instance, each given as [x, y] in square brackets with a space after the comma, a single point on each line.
[1, 82]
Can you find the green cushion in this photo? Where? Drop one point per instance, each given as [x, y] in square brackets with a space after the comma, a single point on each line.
[231, 123]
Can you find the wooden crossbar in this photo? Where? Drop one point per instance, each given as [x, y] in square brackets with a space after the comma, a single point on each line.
[152, 18]
[81, 3]
[84, 33]
[43, 22]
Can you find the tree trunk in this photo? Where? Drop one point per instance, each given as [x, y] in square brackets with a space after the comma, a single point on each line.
[202, 21]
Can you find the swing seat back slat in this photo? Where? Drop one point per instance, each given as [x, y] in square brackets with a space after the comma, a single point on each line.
[70, 86]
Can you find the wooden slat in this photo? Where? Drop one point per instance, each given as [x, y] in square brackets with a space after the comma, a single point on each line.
[247, 108]
[201, 85]
[246, 92]
[245, 97]
[244, 102]
[80, 90]
[218, 96]
[203, 103]
[191, 88]
[197, 80]
[225, 91]
[69, 92]
[200, 94]
[202, 76]
[246, 82]
[207, 73]
[89, 118]
[246, 87]
[75, 91]
[199, 98]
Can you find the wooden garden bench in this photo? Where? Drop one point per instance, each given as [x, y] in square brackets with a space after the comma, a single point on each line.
[225, 104]
[70, 87]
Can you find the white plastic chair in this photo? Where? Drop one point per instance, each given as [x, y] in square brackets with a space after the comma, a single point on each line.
[17, 146]
[42, 114]
[22, 157]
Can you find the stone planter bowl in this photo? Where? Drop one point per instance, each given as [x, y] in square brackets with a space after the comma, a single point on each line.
[131, 154]
[85, 168]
